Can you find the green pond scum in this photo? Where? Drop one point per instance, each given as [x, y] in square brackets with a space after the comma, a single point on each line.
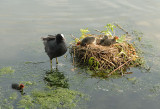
[51, 99]
[13, 96]
[55, 94]
[56, 79]
[27, 83]
[31, 62]
[6, 70]
[6, 104]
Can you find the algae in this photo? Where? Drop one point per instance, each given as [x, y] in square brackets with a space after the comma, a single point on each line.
[6, 70]
[5, 104]
[51, 99]
[13, 96]
[31, 62]
[27, 83]
[26, 102]
[56, 79]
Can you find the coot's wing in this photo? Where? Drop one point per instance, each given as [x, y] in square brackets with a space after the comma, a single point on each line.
[53, 47]
[47, 42]
[50, 37]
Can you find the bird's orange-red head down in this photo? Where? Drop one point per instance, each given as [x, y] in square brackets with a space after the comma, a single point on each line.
[21, 86]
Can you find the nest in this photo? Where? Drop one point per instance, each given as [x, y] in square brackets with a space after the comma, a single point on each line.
[107, 59]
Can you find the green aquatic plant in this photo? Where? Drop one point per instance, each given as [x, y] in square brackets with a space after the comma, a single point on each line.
[6, 70]
[90, 62]
[138, 35]
[122, 52]
[5, 103]
[26, 102]
[109, 29]
[31, 62]
[93, 63]
[83, 33]
[13, 96]
[56, 79]
[27, 83]
[121, 39]
[51, 99]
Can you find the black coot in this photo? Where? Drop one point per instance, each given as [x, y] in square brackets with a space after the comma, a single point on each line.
[55, 46]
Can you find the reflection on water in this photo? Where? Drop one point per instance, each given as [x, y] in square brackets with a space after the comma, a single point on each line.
[24, 22]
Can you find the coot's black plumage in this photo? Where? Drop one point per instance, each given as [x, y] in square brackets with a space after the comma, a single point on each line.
[55, 46]
[87, 40]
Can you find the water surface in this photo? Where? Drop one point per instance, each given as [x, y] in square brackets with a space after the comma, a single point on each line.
[23, 23]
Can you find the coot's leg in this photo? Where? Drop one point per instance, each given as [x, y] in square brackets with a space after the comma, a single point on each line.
[56, 60]
[51, 64]
[56, 66]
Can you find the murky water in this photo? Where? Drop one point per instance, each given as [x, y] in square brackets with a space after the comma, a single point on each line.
[24, 22]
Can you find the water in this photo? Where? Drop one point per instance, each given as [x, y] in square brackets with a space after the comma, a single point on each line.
[24, 22]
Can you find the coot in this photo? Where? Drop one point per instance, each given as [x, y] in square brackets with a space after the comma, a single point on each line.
[55, 46]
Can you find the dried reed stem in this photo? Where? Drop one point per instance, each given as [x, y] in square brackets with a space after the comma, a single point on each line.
[118, 67]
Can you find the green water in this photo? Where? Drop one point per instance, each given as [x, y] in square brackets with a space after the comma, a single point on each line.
[23, 23]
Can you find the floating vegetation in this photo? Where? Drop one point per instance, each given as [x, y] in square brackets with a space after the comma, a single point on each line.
[51, 99]
[106, 60]
[6, 70]
[5, 104]
[13, 96]
[26, 102]
[31, 62]
[27, 83]
[56, 79]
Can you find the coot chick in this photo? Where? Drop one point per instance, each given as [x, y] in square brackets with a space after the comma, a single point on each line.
[107, 42]
[17, 86]
[100, 41]
[87, 40]
[55, 46]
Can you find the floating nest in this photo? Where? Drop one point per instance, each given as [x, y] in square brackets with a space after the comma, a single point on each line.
[113, 59]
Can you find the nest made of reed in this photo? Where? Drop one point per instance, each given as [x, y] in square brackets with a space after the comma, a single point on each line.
[117, 57]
